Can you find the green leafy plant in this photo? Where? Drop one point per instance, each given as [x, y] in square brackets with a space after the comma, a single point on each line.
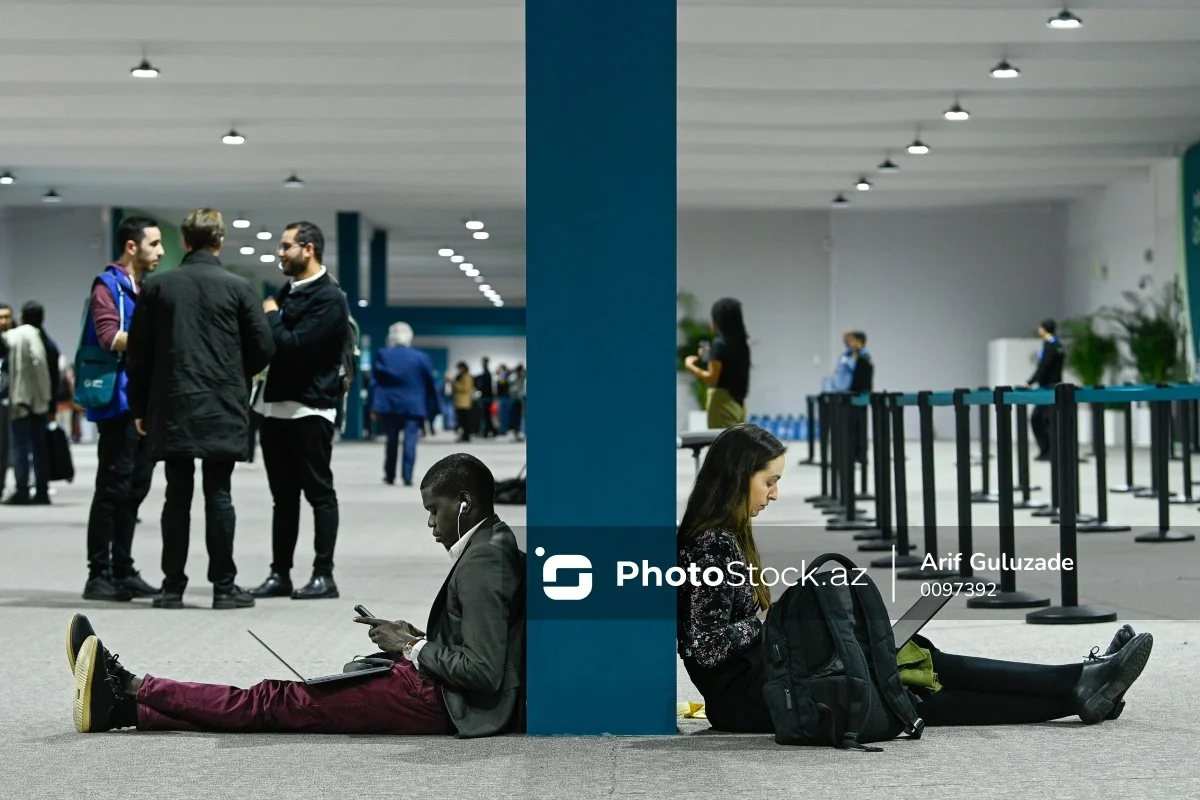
[1090, 354]
[693, 331]
[1152, 327]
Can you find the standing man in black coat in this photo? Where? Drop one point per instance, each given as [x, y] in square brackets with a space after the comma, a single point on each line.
[1048, 374]
[198, 337]
[310, 321]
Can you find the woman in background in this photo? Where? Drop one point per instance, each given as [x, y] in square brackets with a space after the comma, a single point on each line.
[728, 373]
[464, 401]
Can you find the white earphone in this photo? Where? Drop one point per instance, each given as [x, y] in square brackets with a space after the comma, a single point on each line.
[458, 520]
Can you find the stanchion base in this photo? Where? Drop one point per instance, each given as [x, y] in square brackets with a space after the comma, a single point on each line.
[850, 525]
[1152, 494]
[1029, 505]
[980, 497]
[1027, 488]
[1162, 537]
[1009, 600]
[882, 546]
[866, 498]
[873, 535]
[1184, 501]
[1070, 615]
[931, 574]
[840, 510]
[1103, 527]
[902, 562]
[1127, 489]
[1048, 511]
[1080, 519]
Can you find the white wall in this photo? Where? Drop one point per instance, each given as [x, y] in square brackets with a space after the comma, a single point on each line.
[507, 350]
[51, 255]
[777, 264]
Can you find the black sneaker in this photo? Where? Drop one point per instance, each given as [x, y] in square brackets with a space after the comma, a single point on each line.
[168, 599]
[137, 586]
[100, 702]
[78, 630]
[17, 499]
[104, 588]
[1107, 678]
[233, 596]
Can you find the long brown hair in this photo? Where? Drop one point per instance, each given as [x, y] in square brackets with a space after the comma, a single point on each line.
[721, 495]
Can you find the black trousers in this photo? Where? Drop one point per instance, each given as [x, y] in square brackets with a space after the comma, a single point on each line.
[219, 522]
[297, 454]
[465, 417]
[123, 476]
[487, 425]
[1039, 422]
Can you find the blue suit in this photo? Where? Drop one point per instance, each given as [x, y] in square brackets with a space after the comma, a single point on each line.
[404, 396]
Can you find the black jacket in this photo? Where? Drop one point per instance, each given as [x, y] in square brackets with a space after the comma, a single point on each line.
[309, 333]
[197, 338]
[475, 648]
[1049, 370]
[863, 379]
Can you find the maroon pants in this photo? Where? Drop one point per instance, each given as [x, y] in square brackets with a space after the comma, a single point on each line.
[401, 702]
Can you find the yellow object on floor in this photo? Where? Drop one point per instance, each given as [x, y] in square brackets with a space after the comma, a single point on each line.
[689, 710]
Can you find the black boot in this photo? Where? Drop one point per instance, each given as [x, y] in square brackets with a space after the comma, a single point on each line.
[101, 702]
[1107, 678]
[137, 586]
[276, 585]
[320, 587]
[103, 587]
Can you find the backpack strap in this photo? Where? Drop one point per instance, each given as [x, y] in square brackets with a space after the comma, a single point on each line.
[858, 679]
[883, 654]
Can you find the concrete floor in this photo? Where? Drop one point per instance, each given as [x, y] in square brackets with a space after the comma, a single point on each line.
[387, 561]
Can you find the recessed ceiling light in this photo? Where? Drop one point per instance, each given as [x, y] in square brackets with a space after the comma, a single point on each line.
[362, 303]
[485, 288]
[7, 179]
[479, 279]
[233, 137]
[457, 259]
[466, 266]
[247, 251]
[863, 185]
[956, 113]
[144, 70]
[1005, 70]
[888, 166]
[841, 200]
[264, 235]
[918, 148]
[471, 273]
[1065, 21]
[266, 258]
[445, 251]
[497, 303]
[51, 197]
[474, 225]
[293, 181]
[480, 234]
[241, 223]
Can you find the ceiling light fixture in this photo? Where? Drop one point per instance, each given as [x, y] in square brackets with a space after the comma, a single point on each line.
[241, 222]
[264, 235]
[888, 166]
[863, 185]
[485, 288]
[144, 70]
[233, 137]
[293, 181]
[1005, 70]
[7, 179]
[479, 279]
[51, 197]
[841, 200]
[474, 225]
[457, 259]
[497, 303]
[480, 234]
[471, 273]
[362, 303]
[956, 113]
[445, 252]
[247, 251]
[1065, 21]
[266, 258]
[918, 148]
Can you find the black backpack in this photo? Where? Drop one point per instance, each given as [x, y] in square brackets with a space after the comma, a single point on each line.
[350, 355]
[831, 661]
[511, 492]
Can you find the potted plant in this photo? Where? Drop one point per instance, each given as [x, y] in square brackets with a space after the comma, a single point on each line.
[692, 332]
[1090, 356]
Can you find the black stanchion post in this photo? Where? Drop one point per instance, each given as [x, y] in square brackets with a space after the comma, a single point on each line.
[962, 440]
[827, 491]
[928, 500]
[1055, 468]
[1069, 612]
[1157, 441]
[1100, 453]
[985, 494]
[811, 407]
[1023, 462]
[1008, 596]
[849, 521]
[1183, 417]
[1160, 451]
[864, 415]
[902, 559]
[1129, 486]
[883, 537]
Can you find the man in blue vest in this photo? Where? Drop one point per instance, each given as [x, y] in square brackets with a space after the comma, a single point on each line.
[125, 468]
[843, 373]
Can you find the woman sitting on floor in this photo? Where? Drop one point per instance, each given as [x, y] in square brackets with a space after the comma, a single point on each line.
[720, 626]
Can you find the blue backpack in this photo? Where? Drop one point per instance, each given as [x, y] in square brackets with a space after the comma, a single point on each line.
[97, 370]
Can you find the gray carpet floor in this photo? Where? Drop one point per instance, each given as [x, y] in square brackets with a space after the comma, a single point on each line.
[388, 561]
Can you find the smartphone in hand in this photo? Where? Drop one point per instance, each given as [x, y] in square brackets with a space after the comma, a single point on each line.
[362, 611]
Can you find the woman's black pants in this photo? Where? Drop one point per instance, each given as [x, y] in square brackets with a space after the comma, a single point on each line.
[982, 691]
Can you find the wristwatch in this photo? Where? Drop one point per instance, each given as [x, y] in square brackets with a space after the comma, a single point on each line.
[408, 650]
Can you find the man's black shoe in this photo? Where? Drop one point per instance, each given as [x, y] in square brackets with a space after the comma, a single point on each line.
[100, 702]
[1107, 678]
[234, 596]
[78, 630]
[321, 587]
[17, 499]
[168, 599]
[1123, 636]
[275, 585]
[102, 587]
[40, 500]
[137, 586]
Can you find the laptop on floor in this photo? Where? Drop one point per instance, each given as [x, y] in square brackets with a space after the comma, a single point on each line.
[341, 676]
[915, 618]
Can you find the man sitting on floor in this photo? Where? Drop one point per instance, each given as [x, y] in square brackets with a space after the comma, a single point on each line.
[464, 677]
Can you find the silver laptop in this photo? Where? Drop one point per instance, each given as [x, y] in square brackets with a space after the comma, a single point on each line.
[915, 618]
[341, 676]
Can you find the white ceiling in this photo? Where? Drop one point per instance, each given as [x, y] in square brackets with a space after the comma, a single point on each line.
[412, 111]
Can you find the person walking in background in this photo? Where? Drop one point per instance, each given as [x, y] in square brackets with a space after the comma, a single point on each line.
[6, 323]
[464, 402]
[33, 380]
[1048, 374]
[309, 322]
[503, 399]
[483, 385]
[198, 337]
[405, 397]
[862, 380]
[124, 469]
[517, 411]
[728, 373]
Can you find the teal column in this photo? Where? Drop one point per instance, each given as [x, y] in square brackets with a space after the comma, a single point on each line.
[600, 185]
[348, 250]
[1191, 243]
[114, 222]
[379, 268]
